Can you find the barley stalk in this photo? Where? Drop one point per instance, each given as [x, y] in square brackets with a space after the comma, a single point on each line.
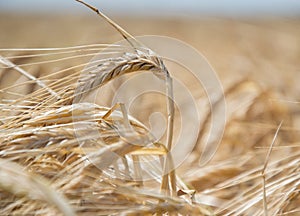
[132, 63]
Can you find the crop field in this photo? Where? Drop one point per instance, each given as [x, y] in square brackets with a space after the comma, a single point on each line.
[171, 116]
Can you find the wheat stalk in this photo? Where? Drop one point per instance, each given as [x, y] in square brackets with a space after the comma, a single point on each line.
[131, 63]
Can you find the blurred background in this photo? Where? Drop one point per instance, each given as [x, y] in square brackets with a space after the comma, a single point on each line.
[177, 8]
[243, 37]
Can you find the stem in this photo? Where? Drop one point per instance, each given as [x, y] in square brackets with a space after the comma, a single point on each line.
[170, 109]
[168, 169]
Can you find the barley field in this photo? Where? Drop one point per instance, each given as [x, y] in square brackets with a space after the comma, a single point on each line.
[62, 155]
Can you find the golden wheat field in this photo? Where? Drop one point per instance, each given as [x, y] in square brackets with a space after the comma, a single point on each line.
[61, 154]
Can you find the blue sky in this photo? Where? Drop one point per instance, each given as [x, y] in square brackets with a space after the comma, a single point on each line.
[161, 7]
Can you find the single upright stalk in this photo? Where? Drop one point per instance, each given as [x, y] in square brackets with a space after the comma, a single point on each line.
[168, 167]
[170, 109]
